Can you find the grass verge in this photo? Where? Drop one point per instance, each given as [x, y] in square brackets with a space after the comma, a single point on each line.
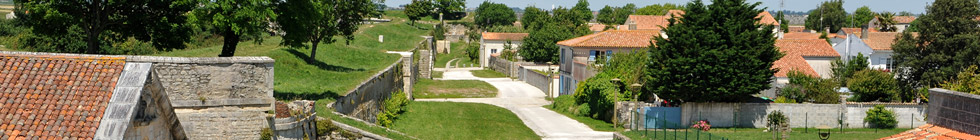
[487, 73]
[426, 88]
[437, 74]
[325, 112]
[448, 120]
[758, 134]
[457, 50]
[565, 103]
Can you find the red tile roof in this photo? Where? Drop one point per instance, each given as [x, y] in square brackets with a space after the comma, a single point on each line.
[930, 131]
[504, 36]
[903, 19]
[801, 35]
[648, 22]
[796, 28]
[55, 97]
[675, 13]
[597, 27]
[795, 50]
[614, 38]
[766, 18]
[881, 40]
[857, 30]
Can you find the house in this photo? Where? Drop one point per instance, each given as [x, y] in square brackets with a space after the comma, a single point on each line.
[596, 27]
[901, 22]
[812, 57]
[578, 53]
[876, 46]
[492, 43]
[76, 96]
[658, 22]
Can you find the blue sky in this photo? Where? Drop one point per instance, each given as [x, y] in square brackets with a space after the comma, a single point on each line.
[914, 6]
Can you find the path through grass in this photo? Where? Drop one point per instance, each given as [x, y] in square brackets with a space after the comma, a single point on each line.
[426, 88]
[463, 121]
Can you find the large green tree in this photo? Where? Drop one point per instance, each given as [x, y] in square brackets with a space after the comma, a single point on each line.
[160, 22]
[447, 7]
[418, 9]
[624, 12]
[657, 9]
[842, 71]
[862, 16]
[540, 45]
[533, 18]
[235, 20]
[696, 63]
[318, 21]
[490, 14]
[874, 85]
[946, 46]
[582, 11]
[607, 15]
[829, 14]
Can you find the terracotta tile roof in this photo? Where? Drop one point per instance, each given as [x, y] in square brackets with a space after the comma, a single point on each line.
[675, 13]
[648, 22]
[857, 30]
[795, 50]
[622, 27]
[55, 97]
[504, 36]
[881, 40]
[597, 27]
[801, 35]
[903, 19]
[930, 131]
[796, 28]
[614, 38]
[766, 18]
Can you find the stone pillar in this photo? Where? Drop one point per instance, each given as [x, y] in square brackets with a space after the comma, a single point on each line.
[407, 75]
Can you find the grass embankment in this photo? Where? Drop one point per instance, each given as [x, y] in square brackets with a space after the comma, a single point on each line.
[564, 104]
[458, 52]
[426, 88]
[465, 121]
[325, 112]
[758, 134]
[487, 73]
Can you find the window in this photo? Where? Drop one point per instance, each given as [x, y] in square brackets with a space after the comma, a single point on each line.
[493, 51]
[890, 65]
[592, 55]
[561, 59]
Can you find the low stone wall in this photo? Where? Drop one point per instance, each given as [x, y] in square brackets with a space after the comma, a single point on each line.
[217, 98]
[535, 79]
[955, 110]
[364, 102]
[511, 69]
[425, 63]
[297, 123]
[801, 115]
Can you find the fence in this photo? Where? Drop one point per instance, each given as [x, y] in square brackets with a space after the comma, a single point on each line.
[752, 115]
[661, 123]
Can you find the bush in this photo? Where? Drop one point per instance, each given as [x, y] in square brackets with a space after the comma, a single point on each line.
[439, 33]
[966, 81]
[879, 117]
[803, 88]
[782, 99]
[776, 118]
[473, 51]
[393, 106]
[873, 85]
[266, 134]
[597, 95]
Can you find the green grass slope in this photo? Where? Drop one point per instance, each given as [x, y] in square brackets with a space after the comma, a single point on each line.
[463, 121]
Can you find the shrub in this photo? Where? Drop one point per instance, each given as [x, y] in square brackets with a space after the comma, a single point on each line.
[879, 117]
[439, 33]
[324, 127]
[966, 81]
[776, 118]
[703, 125]
[393, 106]
[782, 99]
[873, 85]
[473, 51]
[803, 88]
[597, 95]
[265, 134]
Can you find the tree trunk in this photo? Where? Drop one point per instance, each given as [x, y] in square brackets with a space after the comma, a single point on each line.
[231, 42]
[313, 51]
[93, 41]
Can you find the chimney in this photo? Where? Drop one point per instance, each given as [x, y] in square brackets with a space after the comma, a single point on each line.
[864, 31]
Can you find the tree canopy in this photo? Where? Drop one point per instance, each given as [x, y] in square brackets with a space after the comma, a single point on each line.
[160, 22]
[862, 16]
[533, 18]
[657, 9]
[449, 6]
[490, 14]
[317, 21]
[946, 46]
[418, 9]
[236, 19]
[540, 45]
[582, 11]
[694, 65]
[615, 15]
[829, 14]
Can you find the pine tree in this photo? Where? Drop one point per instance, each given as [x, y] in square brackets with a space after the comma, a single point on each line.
[716, 52]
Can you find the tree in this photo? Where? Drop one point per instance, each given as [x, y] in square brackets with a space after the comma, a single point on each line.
[160, 22]
[880, 117]
[533, 18]
[539, 46]
[862, 16]
[886, 22]
[494, 14]
[873, 85]
[582, 11]
[967, 81]
[843, 71]
[947, 46]
[805, 88]
[624, 12]
[694, 64]
[657, 9]
[783, 23]
[447, 7]
[235, 20]
[905, 13]
[606, 15]
[317, 21]
[830, 14]
[418, 9]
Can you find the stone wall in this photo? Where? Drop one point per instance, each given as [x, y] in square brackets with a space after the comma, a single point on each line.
[535, 79]
[299, 123]
[955, 110]
[801, 115]
[509, 68]
[217, 98]
[425, 63]
[364, 102]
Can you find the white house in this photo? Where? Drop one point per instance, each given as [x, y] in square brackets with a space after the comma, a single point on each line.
[492, 43]
[876, 46]
[812, 57]
[578, 53]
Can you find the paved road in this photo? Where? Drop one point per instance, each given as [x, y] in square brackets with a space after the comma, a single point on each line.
[526, 101]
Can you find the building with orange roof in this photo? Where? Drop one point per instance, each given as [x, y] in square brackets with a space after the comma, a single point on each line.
[577, 54]
[74, 96]
[901, 22]
[952, 116]
[596, 27]
[875, 46]
[492, 43]
[658, 22]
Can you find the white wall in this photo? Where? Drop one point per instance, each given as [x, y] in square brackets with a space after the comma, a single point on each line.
[488, 45]
[876, 59]
[821, 65]
[856, 47]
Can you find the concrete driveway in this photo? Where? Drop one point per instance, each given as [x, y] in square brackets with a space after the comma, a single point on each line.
[526, 101]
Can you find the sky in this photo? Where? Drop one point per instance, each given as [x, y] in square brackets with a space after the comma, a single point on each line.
[914, 6]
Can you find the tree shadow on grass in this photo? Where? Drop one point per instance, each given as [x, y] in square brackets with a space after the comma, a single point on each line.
[280, 95]
[321, 65]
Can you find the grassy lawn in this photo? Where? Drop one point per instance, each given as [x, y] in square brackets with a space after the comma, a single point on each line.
[464, 121]
[437, 74]
[758, 134]
[426, 88]
[323, 111]
[458, 50]
[487, 73]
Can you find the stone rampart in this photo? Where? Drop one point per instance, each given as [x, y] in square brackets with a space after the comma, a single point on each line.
[955, 110]
[364, 102]
[297, 122]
